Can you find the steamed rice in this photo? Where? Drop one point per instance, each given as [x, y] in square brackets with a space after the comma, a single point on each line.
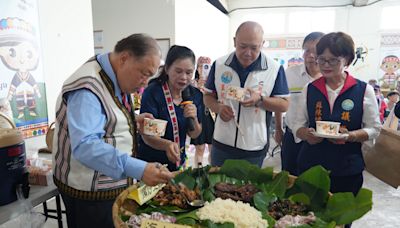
[239, 213]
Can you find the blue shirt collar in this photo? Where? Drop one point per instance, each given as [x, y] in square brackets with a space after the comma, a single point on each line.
[258, 65]
[104, 62]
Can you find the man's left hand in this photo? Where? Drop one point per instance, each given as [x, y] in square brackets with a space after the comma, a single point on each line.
[140, 121]
[253, 98]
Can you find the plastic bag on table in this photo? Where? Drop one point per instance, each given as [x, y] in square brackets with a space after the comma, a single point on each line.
[28, 218]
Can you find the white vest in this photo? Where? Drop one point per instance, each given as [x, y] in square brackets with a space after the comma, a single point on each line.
[252, 120]
[119, 131]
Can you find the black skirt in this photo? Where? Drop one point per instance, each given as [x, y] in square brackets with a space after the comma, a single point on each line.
[207, 132]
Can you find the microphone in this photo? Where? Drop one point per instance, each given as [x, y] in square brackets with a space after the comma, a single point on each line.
[186, 99]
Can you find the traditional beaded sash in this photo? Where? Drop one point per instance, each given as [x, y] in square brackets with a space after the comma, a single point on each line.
[172, 115]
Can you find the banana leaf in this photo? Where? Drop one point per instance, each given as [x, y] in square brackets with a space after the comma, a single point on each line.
[189, 218]
[209, 224]
[344, 208]
[243, 170]
[315, 183]
[277, 186]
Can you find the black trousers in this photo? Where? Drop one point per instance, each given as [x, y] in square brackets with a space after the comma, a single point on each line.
[87, 213]
[289, 152]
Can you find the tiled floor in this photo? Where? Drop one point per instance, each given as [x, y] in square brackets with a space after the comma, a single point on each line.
[384, 214]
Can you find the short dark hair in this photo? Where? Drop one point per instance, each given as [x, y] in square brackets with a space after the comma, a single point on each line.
[394, 92]
[339, 44]
[312, 37]
[138, 45]
[176, 52]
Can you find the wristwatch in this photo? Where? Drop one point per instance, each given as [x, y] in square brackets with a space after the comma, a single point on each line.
[259, 102]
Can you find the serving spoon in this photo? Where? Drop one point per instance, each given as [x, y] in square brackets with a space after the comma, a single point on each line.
[194, 203]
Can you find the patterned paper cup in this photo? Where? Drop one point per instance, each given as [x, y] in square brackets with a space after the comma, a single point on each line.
[236, 93]
[154, 127]
[328, 127]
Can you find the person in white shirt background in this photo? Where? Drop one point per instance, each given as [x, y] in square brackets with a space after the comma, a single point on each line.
[297, 77]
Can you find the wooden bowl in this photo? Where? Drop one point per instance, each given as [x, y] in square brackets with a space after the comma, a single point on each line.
[122, 204]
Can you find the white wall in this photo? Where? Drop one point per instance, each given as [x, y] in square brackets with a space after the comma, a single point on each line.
[364, 26]
[362, 23]
[201, 27]
[195, 23]
[67, 41]
[121, 18]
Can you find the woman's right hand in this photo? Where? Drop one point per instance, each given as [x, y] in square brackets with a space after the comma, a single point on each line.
[306, 134]
[173, 152]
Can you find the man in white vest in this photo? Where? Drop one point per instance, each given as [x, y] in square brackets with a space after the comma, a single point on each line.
[94, 143]
[242, 127]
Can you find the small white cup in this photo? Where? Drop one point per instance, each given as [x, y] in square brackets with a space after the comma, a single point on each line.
[328, 127]
[154, 127]
[236, 93]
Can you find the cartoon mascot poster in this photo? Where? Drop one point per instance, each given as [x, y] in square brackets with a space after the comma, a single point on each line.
[23, 90]
[390, 64]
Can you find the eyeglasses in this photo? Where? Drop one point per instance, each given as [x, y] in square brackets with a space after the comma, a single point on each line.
[331, 62]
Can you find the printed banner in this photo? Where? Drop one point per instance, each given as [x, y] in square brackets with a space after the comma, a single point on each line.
[22, 87]
[389, 74]
[286, 51]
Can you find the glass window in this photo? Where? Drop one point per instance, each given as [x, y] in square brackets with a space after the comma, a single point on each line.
[323, 21]
[390, 17]
[272, 23]
[307, 21]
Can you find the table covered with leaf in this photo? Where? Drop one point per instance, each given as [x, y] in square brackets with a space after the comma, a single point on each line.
[240, 194]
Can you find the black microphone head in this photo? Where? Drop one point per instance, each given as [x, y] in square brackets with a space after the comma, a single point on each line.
[186, 94]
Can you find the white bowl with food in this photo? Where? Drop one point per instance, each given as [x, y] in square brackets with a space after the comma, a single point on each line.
[328, 127]
[154, 127]
[236, 93]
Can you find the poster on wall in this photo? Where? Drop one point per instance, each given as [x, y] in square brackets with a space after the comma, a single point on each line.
[286, 51]
[389, 64]
[22, 87]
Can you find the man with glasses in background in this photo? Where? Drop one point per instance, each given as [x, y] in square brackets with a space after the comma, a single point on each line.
[297, 77]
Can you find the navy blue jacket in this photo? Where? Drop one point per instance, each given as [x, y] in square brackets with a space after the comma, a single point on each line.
[345, 159]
